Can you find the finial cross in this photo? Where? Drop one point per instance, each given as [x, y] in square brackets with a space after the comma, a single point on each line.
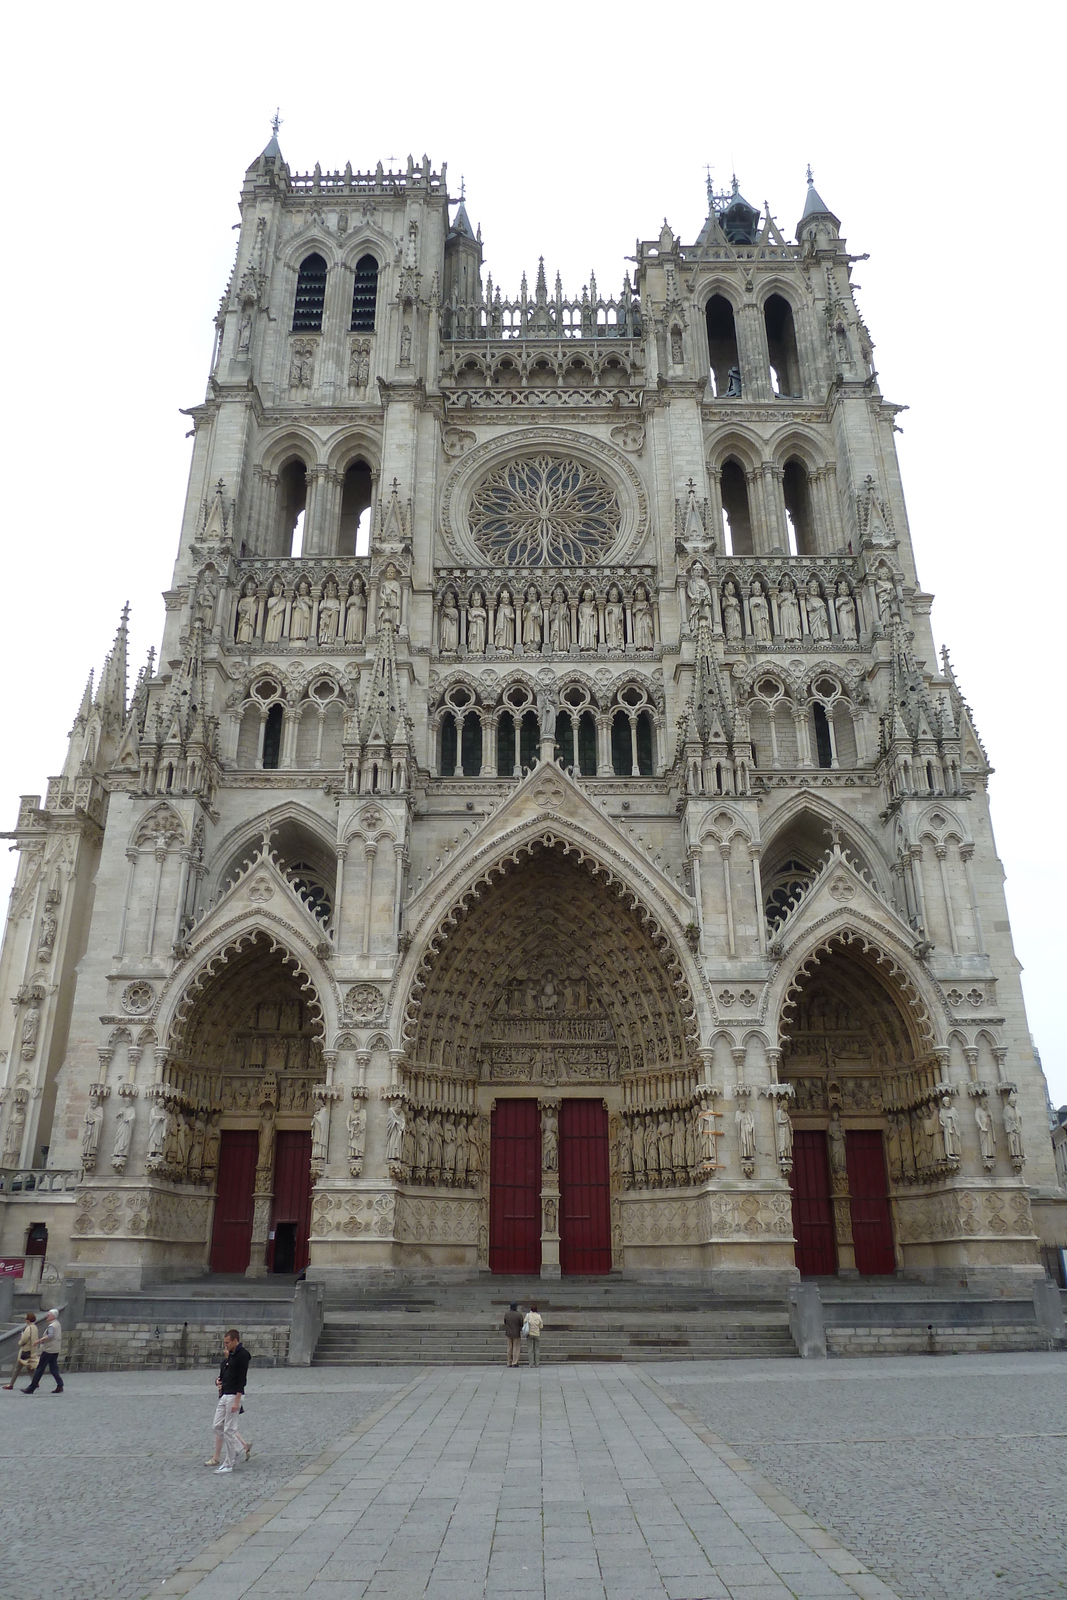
[276, 121]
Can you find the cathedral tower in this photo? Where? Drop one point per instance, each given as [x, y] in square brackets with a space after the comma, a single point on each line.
[548, 840]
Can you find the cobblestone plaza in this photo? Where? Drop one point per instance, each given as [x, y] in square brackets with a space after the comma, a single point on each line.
[922, 1478]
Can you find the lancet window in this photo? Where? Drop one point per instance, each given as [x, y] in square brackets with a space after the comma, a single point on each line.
[310, 295]
[736, 510]
[364, 295]
[722, 347]
[782, 346]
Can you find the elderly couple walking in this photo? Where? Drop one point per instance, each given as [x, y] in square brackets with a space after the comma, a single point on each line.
[44, 1346]
[516, 1325]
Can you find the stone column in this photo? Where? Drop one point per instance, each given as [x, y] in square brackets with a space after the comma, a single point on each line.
[370, 850]
[941, 851]
[263, 1197]
[724, 851]
[757, 889]
[550, 1267]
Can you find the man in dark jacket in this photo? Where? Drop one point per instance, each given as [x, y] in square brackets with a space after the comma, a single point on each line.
[513, 1329]
[232, 1379]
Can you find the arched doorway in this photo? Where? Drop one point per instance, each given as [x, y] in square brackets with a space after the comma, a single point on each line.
[247, 1057]
[553, 1008]
[854, 1052]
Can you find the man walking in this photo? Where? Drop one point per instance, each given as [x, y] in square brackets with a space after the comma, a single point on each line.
[231, 1383]
[513, 1329]
[49, 1349]
[26, 1359]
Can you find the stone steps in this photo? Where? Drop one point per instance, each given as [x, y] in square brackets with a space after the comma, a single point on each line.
[345, 1343]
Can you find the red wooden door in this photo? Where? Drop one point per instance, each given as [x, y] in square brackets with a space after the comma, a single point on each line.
[872, 1228]
[231, 1236]
[813, 1213]
[585, 1213]
[292, 1199]
[515, 1187]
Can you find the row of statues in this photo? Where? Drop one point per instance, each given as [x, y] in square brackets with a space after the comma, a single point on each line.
[795, 607]
[441, 1148]
[666, 1149]
[510, 619]
[332, 618]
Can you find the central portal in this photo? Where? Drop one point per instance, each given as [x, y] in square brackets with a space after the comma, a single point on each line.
[524, 1171]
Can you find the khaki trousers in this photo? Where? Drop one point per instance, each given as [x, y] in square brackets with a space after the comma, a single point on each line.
[514, 1351]
[226, 1415]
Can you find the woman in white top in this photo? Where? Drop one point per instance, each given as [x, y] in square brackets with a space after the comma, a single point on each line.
[534, 1324]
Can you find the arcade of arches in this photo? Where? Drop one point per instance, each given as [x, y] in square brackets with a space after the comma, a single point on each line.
[240, 1082]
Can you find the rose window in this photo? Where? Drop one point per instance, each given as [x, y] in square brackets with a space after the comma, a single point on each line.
[545, 511]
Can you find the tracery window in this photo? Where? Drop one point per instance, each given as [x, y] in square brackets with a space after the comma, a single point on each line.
[785, 887]
[544, 511]
[364, 295]
[310, 295]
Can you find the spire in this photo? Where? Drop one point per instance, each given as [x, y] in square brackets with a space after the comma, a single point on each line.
[815, 206]
[272, 151]
[110, 698]
[461, 225]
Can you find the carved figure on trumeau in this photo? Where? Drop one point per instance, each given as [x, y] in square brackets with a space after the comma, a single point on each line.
[246, 614]
[788, 610]
[644, 628]
[356, 613]
[449, 622]
[987, 1136]
[818, 625]
[265, 1155]
[1013, 1128]
[477, 623]
[504, 631]
[731, 612]
[846, 613]
[532, 621]
[275, 612]
[320, 1133]
[698, 594]
[551, 1213]
[835, 1138]
[123, 1136]
[329, 614]
[615, 620]
[300, 616]
[760, 612]
[950, 1132]
[559, 622]
[588, 629]
[394, 1132]
[746, 1133]
[549, 1139]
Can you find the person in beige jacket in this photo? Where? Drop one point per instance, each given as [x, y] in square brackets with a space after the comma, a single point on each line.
[26, 1359]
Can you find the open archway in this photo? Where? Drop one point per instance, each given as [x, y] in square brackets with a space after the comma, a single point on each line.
[244, 1059]
[868, 1095]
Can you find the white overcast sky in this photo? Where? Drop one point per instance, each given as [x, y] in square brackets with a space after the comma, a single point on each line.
[935, 133]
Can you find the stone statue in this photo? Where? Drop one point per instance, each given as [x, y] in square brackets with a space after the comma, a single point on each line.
[698, 594]
[94, 1116]
[549, 1140]
[987, 1136]
[504, 632]
[818, 625]
[448, 1151]
[546, 710]
[123, 1136]
[196, 1151]
[477, 623]
[183, 1140]
[760, 612]
[588, 629]
[13, 1134]
[31, 1026]
[884, 594]
[405, 344]
[949, 1129]
[461, 1152]
[389, 603]
[559, 622]
[407, 1147]
[356, 1124]
[356, 614]
[788, 610]
[615, 620]
[666, 1155]
[731, 612]
[275, 612]
[46, 938]
[1013, 1127]
[746, 1133]
[626, 1156]
[435, 1155]
[157, 1130]
[244, 333]
[329, 614]
[846, 612]
[733, 384]
[320, 1133]
[652, 1150]
[394, 1131]
[532, 621]
[835, 1135]
[212, 1141]
[783, 1132]
[246, 614]
[266, 1138]
[422, 1144]
[449, 622]
[678, 1144]
[644, 629]
[690, 1145]
[300, 616]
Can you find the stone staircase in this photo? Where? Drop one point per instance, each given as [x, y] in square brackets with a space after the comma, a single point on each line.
[586, 1319]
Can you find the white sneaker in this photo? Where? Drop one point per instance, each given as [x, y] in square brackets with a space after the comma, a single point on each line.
[223, 1468]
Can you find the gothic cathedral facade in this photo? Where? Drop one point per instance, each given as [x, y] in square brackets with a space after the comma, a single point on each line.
[548, 841]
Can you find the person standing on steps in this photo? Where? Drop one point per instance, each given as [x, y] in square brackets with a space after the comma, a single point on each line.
[231, 1384]
[26, 1359]
[534, 1323]
[513, 1329]
[49, 1349]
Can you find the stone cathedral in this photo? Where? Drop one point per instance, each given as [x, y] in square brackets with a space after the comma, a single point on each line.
[548, 841]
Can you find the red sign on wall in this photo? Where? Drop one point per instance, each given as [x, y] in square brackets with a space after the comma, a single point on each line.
[12, 1266]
